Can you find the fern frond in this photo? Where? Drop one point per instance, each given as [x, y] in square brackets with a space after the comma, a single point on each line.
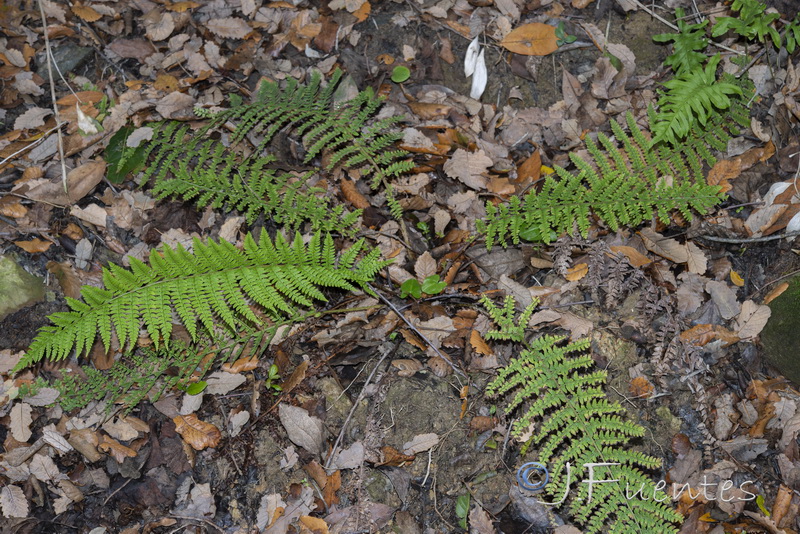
[691, 98]
[626, 182]
[216, 281]
[687, 44]
[195, 167]
[576, 425]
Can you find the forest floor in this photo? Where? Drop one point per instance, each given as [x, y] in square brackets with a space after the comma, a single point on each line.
[382, 423]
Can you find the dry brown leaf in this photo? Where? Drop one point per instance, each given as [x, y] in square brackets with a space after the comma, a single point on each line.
[501, 186]
[353, 195]
[34, 246]
[21, 421]
[315, 525]
[199, 434]
[782, 504]
[429, 110]
[32, 118]
[362, 12]
[737, 279]
[663, 246]
[534, 39]
[298, 375]
[636, 258]
[166, 82]
[12, 207]
[158, 25]
[696, 260]
[530, 169]
[752, 319]
[180, 7]
[241, 365]
[576, 272]
[170, 105]
[702, 334]
[394, 458]
[407, 367]
[13, 501]
[477, 342]
[723, 172]
[117, 450]
[775, 293]
[229, 28]
[80, 181]
[469, 167]
[580, 4]
[86, 13]
[425, 266]
[641, 388]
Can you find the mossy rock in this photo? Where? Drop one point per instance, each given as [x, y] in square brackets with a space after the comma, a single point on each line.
[18, 288]
[781, 336]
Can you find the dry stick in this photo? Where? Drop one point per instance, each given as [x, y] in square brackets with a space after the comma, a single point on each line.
[748, 239]
[30, 146]
[416, 331]
[53, 96]
[353, 409]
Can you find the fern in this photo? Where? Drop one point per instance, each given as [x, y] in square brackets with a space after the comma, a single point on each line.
[196, 167]
[217, 281]
[752, 22]
[691, 98]
[687, 45]
[577, 425]
[627, 182]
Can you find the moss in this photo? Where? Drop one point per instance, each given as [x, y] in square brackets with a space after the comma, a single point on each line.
[781, 336]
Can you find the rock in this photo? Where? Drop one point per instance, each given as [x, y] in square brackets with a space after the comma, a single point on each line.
[68, 58]
[18, 288]
[781, 336]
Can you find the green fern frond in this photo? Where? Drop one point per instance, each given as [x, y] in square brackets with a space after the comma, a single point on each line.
[691, 98]
[626, 182]
[577, 425]
[196, 167]
[215, 282]
[687, 44]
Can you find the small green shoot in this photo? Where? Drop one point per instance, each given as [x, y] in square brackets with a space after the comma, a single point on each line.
[430, 286]
[562, 37]
[272, 380]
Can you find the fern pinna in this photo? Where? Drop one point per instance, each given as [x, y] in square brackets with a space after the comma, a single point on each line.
[196, 167]
[216, 281]
[575, 426]
[627, 181]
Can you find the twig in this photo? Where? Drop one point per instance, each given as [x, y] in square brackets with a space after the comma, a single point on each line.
[28, 147]
[748, 239]
[416, 331]
[53, 96]
[356, 403]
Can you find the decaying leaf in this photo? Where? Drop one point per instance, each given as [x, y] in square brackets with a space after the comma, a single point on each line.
[229, 28]
[477, 342]
[752, 319]
[199, 434]
[116, 449]
[577, 271]
[303, 429]
[420, 443]
[534, 39]
[13, 501]
[663, 246]
[469, 168]
[21, 421]
[407, 367]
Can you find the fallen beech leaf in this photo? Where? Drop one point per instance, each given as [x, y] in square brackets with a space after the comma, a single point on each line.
[180, 7]
[702, 334]
[229, 28]
[394, 458]
[479, 344]
[696, 260]
[298, 375]
[13, 501]
[580, 4]
[752, 319]
[420, 443]
[534, 39]
[34, 245]
[32, 118]
[577, 272]
[303, 429]
[116, 449]
[425, 266]
[665, 247]
[362, 12]
[241, 365]
[353, 195]
[317, 525]
[781, 506]
[429, 110]
[407, 367]
[197, 433]
[159, 25]
[775, 293]
[468, 167]
[723, 172]
[641, 388]
[736, 278]
[21, 421]
[636, 258]
[86, 13]
[530, 169]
